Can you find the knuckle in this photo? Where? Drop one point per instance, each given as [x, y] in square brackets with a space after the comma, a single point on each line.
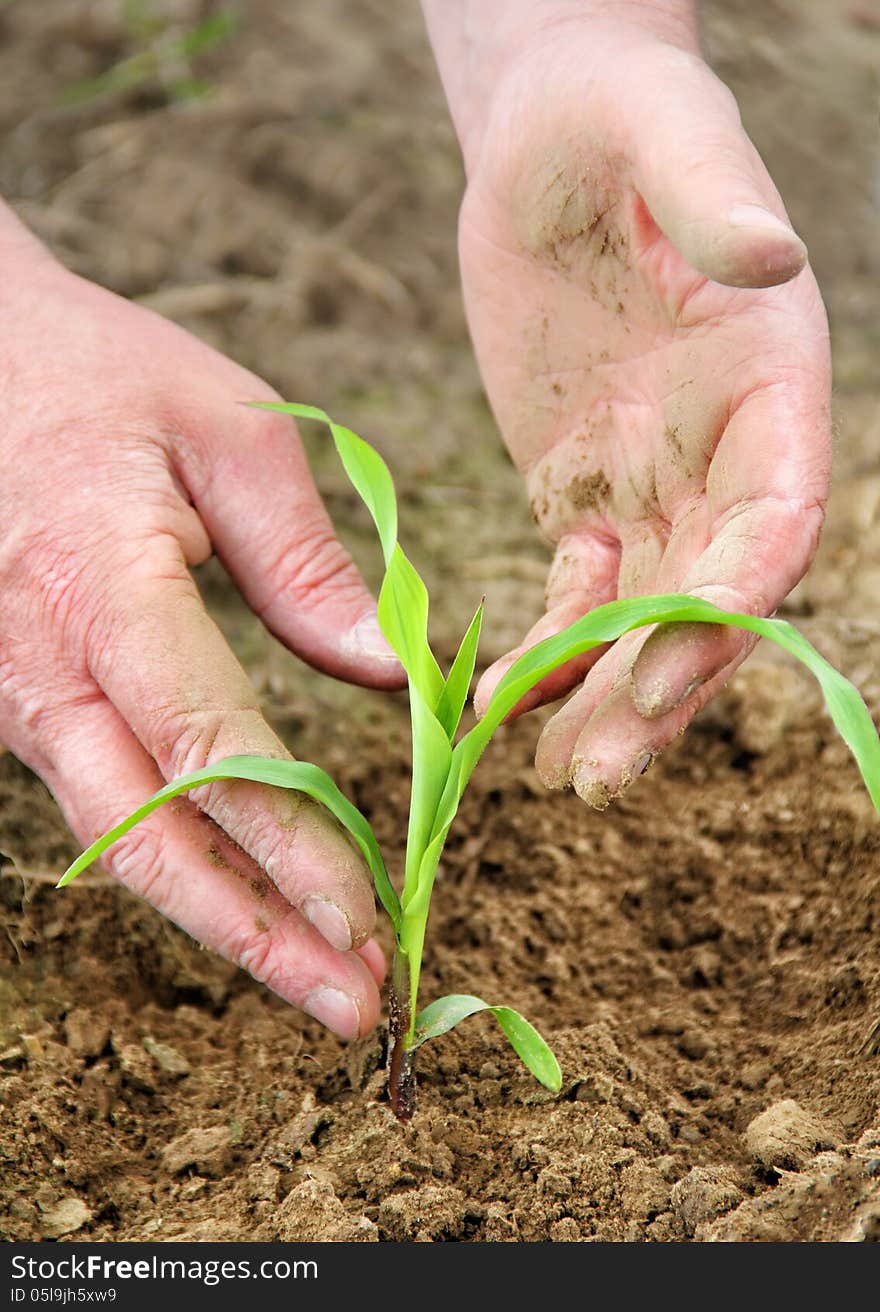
[187, 740]
[308, 569]
[253, 952]
[261, 822]
[138, 860]
[276, 856]
[260, 955]
[582, 567]
[266, 430]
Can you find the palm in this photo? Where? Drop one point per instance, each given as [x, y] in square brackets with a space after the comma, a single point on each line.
[673, 431]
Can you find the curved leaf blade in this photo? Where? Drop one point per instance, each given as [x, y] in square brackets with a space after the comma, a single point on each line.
[367, 471]
[535, 1053]
[403, 599]
[458, 682]
[432, 757]
[301, 776]
[403, 618]
[607, 623]
[531, 1049]
[444, 1014]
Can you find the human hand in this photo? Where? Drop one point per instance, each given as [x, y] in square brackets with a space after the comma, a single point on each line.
[126, 459]
[672, 427]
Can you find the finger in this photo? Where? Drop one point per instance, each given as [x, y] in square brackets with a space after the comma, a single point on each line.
[617, 744]
[641, 553]
[744, 547]
[649, 687]
[191, 871]
[556, 746]
[701, 178]
[644, 692]
[760, 541]
[654, 562]
[374, 959]
[583, 575]
[253, 489]
[165, 666]
[599, 743]
[760, 552]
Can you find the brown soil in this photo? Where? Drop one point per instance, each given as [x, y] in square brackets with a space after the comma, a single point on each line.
[701, 955]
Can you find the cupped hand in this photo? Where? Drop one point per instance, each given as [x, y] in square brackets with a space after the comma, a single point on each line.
[127, 457]
[656, 354]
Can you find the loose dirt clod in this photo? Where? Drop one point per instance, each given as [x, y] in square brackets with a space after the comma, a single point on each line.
[65, 1218]
[311, 1212]
[704, 1193]
[168, 1059]
[86, 1033]
[785, 1136]
[209, 1151]
[434, 1212]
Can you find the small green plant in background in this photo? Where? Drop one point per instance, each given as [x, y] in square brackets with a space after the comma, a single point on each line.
[162, 55]
[443, 761]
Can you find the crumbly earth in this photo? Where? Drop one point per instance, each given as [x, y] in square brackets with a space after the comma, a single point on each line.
[703, 956]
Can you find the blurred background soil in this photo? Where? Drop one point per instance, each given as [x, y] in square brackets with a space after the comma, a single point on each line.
[283, 180]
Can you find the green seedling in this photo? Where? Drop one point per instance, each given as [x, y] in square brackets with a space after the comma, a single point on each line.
[442, 766]
[162, 57]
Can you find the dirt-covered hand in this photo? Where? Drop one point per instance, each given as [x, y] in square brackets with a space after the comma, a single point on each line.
[653, 346]
[126, 458]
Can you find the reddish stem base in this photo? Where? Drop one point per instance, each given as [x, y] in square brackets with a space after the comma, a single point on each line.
[401, 1059]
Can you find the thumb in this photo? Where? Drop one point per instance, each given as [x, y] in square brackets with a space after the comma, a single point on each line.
[701, 179]
[251, 484]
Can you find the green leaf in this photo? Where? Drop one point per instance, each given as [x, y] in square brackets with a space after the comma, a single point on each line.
[298, 775]
[364, 466]
[211, 32]
[455, 691]
[608, 623]
[403, 599]
[442, 1015]
[403, 618]
[432, 757]
[416, 905]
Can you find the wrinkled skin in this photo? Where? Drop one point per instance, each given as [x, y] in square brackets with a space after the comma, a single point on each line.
[666, 400]
[127, 457]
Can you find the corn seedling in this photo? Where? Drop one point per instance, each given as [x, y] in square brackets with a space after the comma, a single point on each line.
[442, 766]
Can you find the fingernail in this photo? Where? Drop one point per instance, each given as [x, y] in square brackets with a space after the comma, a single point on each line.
[368, 639]
[639, 766]
[755, 216]
[336, 1010]
[329, 921]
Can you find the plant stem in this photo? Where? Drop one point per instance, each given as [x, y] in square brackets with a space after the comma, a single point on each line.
[401, 1058]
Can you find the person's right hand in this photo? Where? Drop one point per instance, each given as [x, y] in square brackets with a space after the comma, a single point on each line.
[126, 457]
[652, 344]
